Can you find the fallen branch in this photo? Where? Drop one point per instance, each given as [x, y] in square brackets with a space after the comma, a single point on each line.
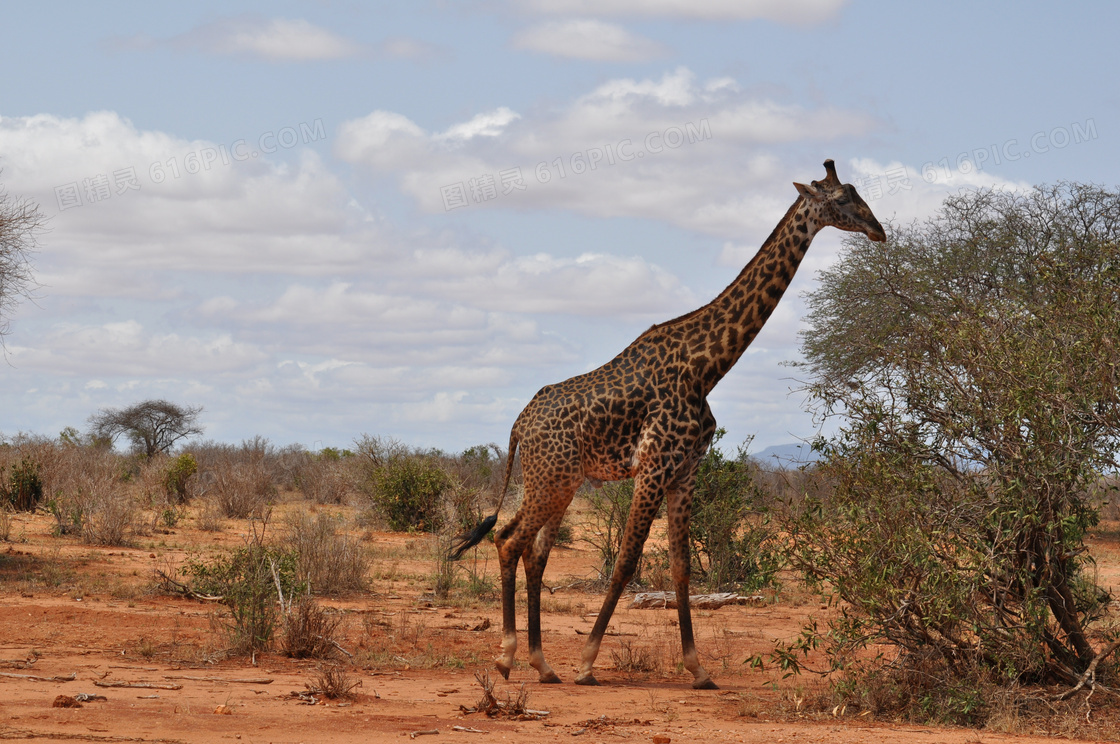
[335, 644]
[668, 600]
[185, 590]
[1090, 676]
[467, 730]
[245, 681]
[607, 633]
[35, 678]
[145, 685]
[428, 732]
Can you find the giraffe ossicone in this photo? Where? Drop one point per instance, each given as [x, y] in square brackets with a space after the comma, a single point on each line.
[645, 415]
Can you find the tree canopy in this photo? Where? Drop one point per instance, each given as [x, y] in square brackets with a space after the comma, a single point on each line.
[20, 221]
[973, 363]
[152, 426]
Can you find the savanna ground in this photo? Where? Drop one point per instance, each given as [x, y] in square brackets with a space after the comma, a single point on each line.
[101, 614]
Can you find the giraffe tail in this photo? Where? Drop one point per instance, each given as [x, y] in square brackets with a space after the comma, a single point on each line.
[467, 540]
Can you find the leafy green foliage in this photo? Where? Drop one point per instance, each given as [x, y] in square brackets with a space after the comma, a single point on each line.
[733, 544]
[610, 508]
[245, 580]
[177, 478]
[22, 490]
[407, 491]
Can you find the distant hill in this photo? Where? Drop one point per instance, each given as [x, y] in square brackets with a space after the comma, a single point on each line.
[790, 455]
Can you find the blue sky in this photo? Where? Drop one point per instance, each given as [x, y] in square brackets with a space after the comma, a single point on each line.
[321, 219]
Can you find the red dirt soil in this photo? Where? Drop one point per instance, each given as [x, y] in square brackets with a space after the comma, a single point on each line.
[86, 611]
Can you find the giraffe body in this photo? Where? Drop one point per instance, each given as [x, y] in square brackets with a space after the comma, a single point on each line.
[645, 415]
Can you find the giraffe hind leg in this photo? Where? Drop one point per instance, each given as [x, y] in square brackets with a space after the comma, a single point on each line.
[507, 563]
[535, 559]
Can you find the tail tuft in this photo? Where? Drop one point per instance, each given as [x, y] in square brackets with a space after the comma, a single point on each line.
[464, 542]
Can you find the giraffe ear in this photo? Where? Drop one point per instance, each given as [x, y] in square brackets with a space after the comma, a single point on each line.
[809, 192]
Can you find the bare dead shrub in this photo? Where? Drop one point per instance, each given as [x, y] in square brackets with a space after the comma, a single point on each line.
[326, 479]
[242, 489]
[328, 561]
[108, 509]
[87, 496]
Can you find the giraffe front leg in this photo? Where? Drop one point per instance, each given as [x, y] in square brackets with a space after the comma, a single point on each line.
[680, 564]
[643, 509]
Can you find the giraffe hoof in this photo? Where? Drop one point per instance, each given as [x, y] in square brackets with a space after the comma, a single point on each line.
[705, 684]
[550, 679]
[503, 669]
[587, 679]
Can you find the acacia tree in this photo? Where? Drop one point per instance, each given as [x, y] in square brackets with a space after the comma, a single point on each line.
[974, 364]
[20, 221]
[153, 426]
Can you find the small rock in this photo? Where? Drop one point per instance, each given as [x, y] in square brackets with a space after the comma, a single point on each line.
[224, 710]
[65, 701]
[661, 739]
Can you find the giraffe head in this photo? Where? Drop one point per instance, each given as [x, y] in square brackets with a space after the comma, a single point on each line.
[839, 205]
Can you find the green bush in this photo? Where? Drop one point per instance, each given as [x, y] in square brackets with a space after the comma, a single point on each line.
[732, 542]
[177, 478]
[610, 507]
[23, 488]
[407, 491]
[244, 580]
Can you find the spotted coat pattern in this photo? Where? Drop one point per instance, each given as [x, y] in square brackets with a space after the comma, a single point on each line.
[645, 415]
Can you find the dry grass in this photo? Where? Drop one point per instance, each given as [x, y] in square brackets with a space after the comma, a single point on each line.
[632, 658]
[308, 630]
[332, 681]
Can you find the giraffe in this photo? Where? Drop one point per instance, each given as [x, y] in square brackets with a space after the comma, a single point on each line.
[644, 415]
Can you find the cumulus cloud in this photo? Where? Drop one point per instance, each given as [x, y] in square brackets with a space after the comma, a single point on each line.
[143, 200]
[587, 39]
[785, 11]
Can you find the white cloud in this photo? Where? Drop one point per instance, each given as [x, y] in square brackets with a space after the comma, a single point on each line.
[128, 348]
[489, 124]
[191, 204]
[785, 11]
[273, 39]
[587, 39]
[702, 155]
[589, 284]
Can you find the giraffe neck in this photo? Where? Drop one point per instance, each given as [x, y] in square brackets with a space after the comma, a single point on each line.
[722, 330]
